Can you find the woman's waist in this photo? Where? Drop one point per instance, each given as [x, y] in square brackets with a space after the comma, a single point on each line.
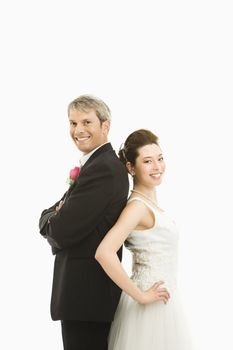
[155, 266]
[146, 276]
[154, 258]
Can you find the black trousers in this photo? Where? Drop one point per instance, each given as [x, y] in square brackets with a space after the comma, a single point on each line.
[79, 335]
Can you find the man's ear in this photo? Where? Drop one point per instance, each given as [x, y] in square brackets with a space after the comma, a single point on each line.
[106, 126]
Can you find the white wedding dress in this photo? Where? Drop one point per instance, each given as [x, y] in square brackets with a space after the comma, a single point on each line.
[155, 326]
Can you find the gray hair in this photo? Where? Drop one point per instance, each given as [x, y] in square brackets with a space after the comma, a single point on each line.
[87, 102]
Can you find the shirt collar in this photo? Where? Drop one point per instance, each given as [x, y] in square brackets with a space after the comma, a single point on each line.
[85, 157]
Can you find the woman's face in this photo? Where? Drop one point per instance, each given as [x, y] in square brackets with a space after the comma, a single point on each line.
[149, 166]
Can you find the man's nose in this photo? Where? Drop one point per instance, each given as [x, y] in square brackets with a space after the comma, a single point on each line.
[79, 128]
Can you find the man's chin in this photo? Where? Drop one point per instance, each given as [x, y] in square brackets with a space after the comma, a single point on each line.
[83, 148]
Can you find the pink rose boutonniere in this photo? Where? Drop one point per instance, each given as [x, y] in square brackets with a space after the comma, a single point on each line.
[74, 173]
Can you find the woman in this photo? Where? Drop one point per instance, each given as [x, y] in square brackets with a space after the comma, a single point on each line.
[149, 314]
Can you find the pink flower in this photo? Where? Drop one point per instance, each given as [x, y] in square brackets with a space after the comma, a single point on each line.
[74, 173]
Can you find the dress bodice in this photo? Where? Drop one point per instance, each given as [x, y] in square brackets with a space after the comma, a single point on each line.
[154, 251]
[157, 325]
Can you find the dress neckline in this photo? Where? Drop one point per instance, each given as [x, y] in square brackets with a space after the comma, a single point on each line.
[154, 208]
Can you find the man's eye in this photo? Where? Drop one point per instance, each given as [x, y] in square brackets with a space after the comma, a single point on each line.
[160, 159]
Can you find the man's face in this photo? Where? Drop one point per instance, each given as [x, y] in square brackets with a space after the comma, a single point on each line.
[86, 130]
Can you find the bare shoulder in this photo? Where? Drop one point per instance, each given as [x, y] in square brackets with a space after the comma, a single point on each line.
[144, 212]
[130, 218]
[135, 207]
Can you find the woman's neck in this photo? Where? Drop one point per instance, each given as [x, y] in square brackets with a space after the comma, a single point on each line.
[148, 193]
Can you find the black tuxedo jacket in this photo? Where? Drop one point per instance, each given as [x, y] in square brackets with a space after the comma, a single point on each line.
[81, 289]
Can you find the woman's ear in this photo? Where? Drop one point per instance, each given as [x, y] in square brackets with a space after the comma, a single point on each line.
[130, 168]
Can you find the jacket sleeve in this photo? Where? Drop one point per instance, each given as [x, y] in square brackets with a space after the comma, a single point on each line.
[45, 215]
[82, 210]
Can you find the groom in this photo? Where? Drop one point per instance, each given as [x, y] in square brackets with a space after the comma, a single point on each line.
[83, 297]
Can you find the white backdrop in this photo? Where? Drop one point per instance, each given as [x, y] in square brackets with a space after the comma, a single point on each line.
[165, 66]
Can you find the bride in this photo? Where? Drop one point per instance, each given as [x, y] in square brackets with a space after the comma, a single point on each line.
[149, 315]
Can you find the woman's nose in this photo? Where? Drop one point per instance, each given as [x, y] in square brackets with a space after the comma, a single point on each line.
[157, 166]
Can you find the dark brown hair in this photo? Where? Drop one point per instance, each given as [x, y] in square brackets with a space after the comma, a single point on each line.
[134, 141]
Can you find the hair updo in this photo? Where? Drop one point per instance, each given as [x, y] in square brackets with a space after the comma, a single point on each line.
[134, 141]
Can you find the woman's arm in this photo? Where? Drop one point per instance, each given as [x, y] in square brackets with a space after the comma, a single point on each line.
[106, 255]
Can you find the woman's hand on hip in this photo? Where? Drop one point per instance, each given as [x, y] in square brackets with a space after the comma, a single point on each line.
[155, 293]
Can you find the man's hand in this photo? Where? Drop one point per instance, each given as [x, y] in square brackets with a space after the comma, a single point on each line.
[58, 207]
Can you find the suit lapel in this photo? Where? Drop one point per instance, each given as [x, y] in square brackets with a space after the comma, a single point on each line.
[105, 148]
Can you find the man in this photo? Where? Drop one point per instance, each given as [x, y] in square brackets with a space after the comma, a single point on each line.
[83, 296]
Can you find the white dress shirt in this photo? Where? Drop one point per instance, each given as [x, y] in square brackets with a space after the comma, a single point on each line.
[85, 157]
